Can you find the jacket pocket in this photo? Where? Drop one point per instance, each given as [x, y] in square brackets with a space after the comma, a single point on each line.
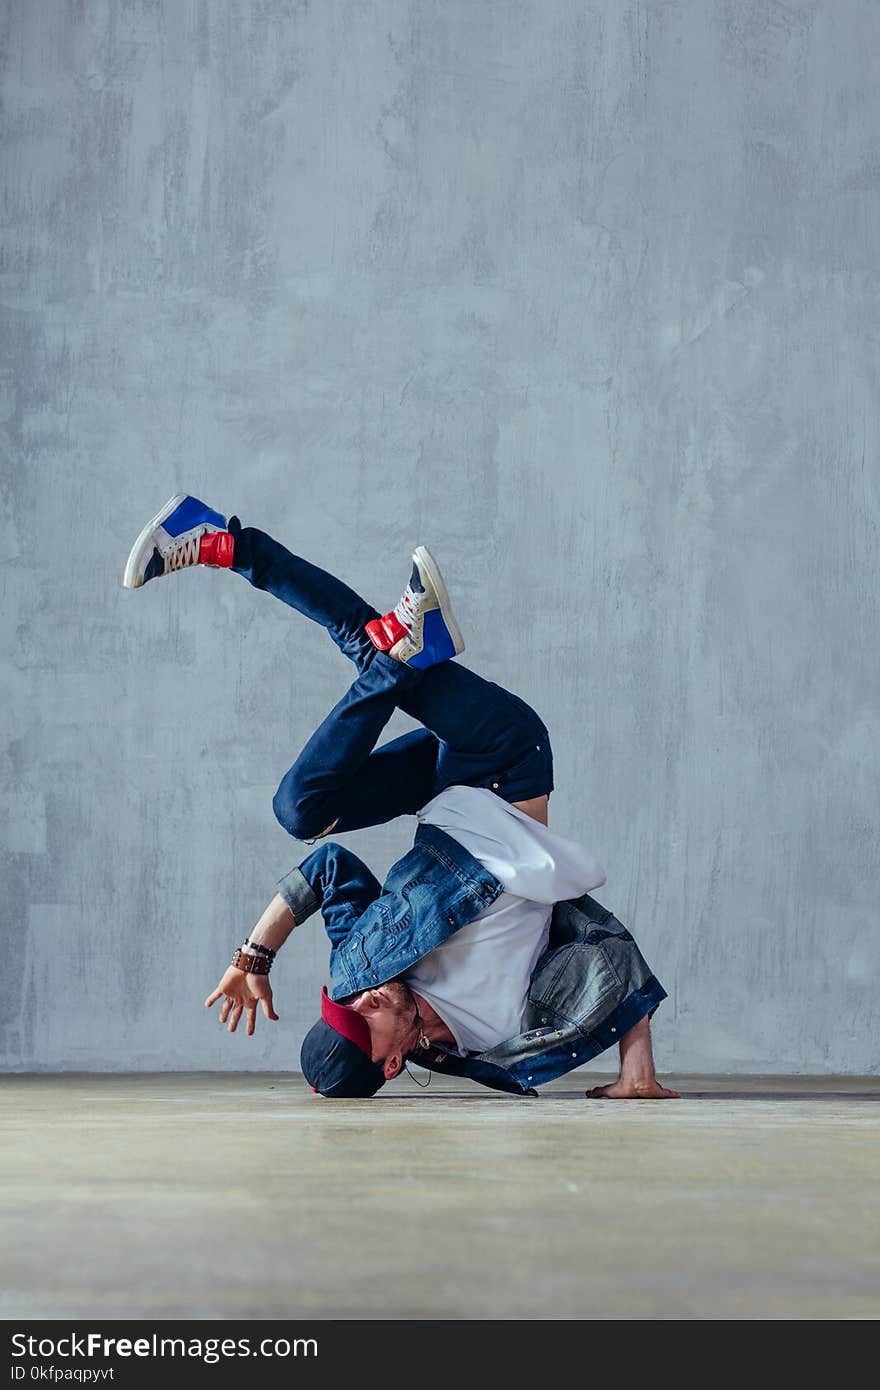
[384, 935]
[577, 983]
[361, 959]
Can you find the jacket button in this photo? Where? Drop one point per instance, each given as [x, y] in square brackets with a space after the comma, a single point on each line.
[574, 1054]
[614, 1030]
[495, 788]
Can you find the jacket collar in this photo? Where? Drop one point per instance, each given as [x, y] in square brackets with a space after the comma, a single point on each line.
[442, 1059]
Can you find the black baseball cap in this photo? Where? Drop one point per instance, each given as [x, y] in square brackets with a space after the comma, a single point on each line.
[336, 1054]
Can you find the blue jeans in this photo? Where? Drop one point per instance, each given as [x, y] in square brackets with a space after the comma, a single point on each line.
[474, 732]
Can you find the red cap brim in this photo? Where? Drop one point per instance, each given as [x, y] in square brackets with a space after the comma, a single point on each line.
[347, 1022]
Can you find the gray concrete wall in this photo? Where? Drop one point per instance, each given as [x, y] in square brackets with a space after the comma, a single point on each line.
[583, 295]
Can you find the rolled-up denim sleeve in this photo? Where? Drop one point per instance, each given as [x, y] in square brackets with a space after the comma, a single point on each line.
[299, 894]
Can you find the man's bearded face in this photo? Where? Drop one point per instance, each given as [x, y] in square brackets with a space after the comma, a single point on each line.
[390, 1012]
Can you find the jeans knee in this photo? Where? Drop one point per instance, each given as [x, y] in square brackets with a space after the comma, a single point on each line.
[290, 814]
[296, 816]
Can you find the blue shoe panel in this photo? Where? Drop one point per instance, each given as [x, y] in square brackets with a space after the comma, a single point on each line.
[437, 645]
[191, 512]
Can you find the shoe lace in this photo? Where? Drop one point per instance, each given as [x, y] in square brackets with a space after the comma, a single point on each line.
[185, 552]
[405, 611]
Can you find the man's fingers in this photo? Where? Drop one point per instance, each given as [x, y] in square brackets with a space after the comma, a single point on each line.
[232, 1008]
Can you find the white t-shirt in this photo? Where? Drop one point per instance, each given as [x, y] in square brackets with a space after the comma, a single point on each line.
[478, 980]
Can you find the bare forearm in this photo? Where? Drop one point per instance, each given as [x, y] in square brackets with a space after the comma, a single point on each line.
[275, 925]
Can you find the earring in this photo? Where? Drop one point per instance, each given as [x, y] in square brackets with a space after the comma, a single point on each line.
[424, 1041]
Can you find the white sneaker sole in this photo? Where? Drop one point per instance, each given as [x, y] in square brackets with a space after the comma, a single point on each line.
[424, 557]
[133, 577]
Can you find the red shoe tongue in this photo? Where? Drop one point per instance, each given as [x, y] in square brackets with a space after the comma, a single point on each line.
[217, 548]
[384, 632]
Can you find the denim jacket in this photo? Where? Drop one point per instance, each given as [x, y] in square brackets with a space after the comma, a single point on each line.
[590, 986]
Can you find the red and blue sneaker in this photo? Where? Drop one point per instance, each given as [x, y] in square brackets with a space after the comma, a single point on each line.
[423, 621]
[186, 532]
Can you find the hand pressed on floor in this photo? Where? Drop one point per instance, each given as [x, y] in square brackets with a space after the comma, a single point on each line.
[637, 1079]
[244, 992]
[632, 1090]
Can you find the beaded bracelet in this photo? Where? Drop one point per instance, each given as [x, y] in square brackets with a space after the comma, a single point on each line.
[260, 949]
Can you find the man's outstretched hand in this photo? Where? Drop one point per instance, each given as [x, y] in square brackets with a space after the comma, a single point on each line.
[243, 992]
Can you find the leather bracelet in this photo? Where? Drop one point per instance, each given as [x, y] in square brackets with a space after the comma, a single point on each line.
[252, 965]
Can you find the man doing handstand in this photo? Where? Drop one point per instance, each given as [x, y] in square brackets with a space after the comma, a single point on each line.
[483, 954]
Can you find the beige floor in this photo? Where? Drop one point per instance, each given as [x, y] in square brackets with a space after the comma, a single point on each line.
[208, 1195]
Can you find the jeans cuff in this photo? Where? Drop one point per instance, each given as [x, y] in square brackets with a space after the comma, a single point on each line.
[299, 895]
[398, 672]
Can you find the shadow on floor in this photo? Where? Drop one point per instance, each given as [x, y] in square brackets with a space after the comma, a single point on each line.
[556, 1094]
